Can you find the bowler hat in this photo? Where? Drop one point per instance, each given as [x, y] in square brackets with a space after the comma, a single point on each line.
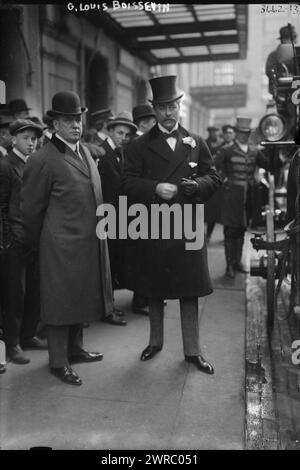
[20, 125]
[227, 127]
[142, 111]
[284, 32]
[243, 124]
[66, 103]
[212, 128]
[123, 118]
[164, 89]
[47, 120]
[18, 105]
[102, 114]
[4, 121]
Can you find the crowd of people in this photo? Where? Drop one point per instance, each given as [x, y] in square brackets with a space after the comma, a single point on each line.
[56, 275]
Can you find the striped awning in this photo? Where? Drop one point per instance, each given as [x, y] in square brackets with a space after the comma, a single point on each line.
[177, 33]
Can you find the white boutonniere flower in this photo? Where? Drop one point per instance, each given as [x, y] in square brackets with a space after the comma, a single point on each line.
[189, 141]
[192, 164]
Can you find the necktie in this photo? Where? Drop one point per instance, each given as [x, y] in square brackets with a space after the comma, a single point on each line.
[170, 134]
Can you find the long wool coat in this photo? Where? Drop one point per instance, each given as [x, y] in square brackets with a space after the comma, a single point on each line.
[237, 168]
[164, 268]
[60, 196]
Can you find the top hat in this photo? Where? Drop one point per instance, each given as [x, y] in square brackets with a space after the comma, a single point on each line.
[212, 128]
[19, 125]
[164, 89]
[18, 105]
[243, 124]
[4, 121]
[66, 103]
[102, 114]
[142, 111]
[123, 118]
[227, 127]
[284, 32]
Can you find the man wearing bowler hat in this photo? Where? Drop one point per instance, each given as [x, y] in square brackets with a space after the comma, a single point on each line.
[144, 118]
[213, 140]
[237, 162]
[61, 192]
[18, 109]
[98, 134]
[164, 166]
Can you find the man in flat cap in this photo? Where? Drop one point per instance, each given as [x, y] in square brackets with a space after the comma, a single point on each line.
[164, 166]
[60, 195]
[21, 303]
[121, 130]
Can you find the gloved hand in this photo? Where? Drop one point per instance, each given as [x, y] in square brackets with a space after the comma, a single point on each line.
[189, 187]
[166, 190]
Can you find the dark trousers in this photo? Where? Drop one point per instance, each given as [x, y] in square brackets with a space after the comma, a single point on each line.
[20, 295]
[189, 324]
[63, 341]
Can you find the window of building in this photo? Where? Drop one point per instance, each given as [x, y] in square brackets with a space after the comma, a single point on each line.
[224, 74]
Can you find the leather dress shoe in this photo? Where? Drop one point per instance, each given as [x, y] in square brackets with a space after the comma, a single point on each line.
[2, 368]
[15, 354]
[200, 363]
[85, 356]
[35, 343]
[66, 374]
[114, 320]
[119, 313]
[239, 267]
[140, 311]
[150, 352]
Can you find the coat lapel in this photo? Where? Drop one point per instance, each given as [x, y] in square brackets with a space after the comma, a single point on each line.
[93, 174]
[75, 161]
[17, 164]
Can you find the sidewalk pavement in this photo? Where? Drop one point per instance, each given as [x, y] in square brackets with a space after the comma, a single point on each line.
[124, 403]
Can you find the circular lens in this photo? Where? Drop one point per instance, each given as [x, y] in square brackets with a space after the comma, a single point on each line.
[272, 127]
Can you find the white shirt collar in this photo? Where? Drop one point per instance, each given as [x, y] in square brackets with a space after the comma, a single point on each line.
[3, 150]
[163, 129]
[48, 134]
[138, 132]
[102, 135]
[111, 143]
[20, 154]
[244, 147]
[74, 147]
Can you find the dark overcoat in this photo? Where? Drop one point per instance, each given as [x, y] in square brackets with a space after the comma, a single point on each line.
[164, 267]
[110, 169]
[60, 195]
[237, 168]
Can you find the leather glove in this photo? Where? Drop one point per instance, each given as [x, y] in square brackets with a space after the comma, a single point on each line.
[188, 187]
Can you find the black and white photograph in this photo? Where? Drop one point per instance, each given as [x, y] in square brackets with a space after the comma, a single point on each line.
[149, 229]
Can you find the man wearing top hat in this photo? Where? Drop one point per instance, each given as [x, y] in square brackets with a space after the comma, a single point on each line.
[164, 166]
[120, 130]
[60, 195]
[237, 162]
[19, 269]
